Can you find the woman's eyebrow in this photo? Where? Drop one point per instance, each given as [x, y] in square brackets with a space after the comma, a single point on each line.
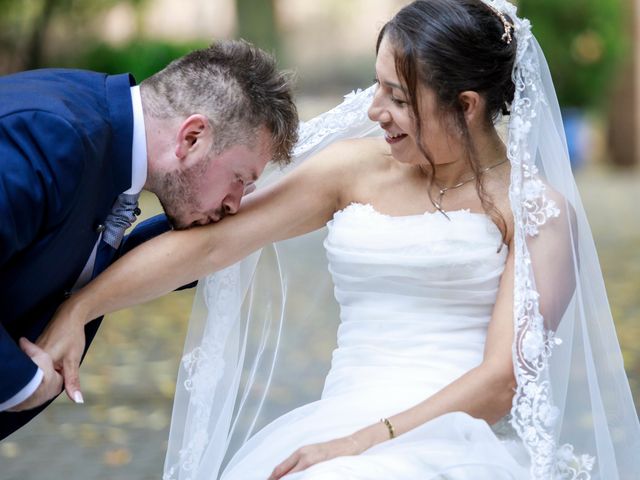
[395, 85]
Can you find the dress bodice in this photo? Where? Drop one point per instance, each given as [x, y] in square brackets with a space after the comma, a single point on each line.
[416, 295]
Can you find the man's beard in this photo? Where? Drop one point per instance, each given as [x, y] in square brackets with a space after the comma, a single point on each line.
[177, 194]
[175, 223]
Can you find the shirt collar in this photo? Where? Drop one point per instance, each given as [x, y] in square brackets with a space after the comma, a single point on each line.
[139, 145]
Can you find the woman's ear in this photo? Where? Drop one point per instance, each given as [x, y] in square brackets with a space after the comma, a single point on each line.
[193, 134]
[472, 106]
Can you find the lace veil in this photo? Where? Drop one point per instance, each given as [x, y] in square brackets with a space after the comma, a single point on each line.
[572, 409]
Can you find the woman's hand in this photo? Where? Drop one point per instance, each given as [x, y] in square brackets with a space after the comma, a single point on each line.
[309, 455]
[63, 339]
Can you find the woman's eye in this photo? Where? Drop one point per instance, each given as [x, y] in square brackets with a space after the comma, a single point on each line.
[398, 102]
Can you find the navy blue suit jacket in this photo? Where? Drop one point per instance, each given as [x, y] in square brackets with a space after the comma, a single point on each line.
[65, 155]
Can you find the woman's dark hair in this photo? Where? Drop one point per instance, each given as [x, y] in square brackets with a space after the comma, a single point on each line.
[452, 46]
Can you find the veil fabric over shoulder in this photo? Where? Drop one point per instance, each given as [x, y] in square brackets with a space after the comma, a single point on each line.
[572, 408]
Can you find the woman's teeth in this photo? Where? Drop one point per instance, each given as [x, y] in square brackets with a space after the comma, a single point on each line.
[394, 138]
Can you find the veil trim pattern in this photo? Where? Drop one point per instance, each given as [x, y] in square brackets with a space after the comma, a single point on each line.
[533, 415]
[203, 367]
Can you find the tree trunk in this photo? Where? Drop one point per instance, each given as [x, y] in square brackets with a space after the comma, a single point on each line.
[624, 113]
[35, 44]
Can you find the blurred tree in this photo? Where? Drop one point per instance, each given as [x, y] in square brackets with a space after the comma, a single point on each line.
[583, 45]
[25, 24]
[141, 57]
[257, 23]
[624, 104]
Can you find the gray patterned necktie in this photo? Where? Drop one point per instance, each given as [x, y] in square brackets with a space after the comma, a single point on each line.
[123, 214]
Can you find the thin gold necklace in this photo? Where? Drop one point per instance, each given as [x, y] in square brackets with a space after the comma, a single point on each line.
[443, 190]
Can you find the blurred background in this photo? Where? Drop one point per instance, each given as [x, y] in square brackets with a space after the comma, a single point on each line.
[129, 376]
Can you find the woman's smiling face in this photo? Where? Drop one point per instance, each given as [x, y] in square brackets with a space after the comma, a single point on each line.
[392, 110]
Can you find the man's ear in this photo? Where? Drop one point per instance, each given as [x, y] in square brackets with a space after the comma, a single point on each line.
[194, 133]
[472, 105]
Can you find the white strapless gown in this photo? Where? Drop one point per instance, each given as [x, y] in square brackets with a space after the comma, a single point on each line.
[416, 295]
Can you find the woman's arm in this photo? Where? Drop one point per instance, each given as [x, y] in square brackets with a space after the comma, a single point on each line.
[300, 202]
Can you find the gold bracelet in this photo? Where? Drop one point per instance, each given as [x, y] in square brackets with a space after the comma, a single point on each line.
[392, 432]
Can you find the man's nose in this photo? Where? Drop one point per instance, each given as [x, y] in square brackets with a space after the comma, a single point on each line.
[231, 203]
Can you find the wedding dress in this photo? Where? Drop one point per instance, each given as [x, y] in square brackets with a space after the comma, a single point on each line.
[416, 294]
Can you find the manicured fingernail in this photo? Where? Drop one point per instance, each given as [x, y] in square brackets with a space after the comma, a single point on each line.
[77, 397]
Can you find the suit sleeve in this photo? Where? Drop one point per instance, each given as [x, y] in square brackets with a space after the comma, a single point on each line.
[17, 367]
[40, 156]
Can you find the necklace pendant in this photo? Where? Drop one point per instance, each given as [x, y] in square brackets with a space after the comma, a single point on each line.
[438, 207]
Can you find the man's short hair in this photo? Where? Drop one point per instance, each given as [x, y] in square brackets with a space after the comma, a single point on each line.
[237, 86]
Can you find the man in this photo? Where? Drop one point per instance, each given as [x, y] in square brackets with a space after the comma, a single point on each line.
[76, 149]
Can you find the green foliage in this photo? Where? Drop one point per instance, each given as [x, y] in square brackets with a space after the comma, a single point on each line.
[257, 23]
[24, 25]
[584, 41]
[140, 57]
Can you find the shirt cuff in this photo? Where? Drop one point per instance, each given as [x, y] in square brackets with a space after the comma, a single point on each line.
[25, 393]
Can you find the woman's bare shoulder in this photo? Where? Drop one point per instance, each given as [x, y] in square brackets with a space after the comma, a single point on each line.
[359, 149]
[348, 166]
[352, 157]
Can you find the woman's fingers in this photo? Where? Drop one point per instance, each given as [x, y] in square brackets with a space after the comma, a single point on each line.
[284, 467]
[70, 372]
[309, 455]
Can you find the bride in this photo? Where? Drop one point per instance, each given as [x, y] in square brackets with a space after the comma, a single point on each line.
[475, 338]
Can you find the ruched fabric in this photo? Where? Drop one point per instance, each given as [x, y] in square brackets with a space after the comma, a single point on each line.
[416, 295]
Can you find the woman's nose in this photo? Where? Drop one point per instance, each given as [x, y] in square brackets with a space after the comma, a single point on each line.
[377, 111]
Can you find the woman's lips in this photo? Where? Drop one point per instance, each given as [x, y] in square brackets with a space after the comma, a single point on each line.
[392, 139]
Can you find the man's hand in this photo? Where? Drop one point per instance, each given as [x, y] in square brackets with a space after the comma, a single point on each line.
[64, 340]
[51, 384]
